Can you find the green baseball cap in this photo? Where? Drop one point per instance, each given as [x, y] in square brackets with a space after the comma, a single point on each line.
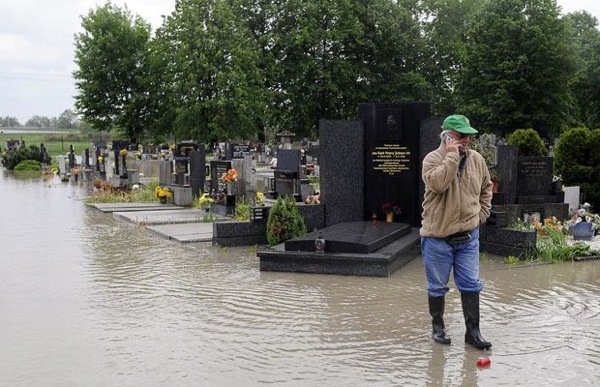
[459, 123]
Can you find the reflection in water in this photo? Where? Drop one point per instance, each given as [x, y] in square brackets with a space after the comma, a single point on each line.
[88, 300]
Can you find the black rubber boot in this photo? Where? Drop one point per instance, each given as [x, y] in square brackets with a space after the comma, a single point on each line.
[436, 310]
[470, 305]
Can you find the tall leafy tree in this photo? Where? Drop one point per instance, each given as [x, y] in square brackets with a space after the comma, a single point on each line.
[445, 24]
[519, 67]
[212, 71]
[331, 55]
[586, 40]
[112, 75]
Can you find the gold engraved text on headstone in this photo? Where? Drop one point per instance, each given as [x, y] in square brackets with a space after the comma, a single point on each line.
[391, 159]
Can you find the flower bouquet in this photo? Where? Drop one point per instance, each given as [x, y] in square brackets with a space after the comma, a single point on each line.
[162, 193]
[389, 208]
[230, 176]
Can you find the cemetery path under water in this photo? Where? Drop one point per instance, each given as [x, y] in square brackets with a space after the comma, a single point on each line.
[87, 300]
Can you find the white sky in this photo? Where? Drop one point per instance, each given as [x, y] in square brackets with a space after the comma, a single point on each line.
[37, 52]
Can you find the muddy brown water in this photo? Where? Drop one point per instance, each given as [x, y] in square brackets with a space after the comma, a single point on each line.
[88, 300]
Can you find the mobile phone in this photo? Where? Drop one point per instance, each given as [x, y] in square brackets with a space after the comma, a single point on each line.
[446, 136]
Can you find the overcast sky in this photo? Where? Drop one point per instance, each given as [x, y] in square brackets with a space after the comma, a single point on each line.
[36, 49]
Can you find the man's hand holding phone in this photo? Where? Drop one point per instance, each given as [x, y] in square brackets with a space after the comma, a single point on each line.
[452, 145]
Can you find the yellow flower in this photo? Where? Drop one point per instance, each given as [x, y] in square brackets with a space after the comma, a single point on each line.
[123, 152]
[205, 200]
[161, 192]
[260, 197]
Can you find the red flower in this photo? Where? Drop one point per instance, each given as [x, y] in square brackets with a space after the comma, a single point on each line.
[389, 208]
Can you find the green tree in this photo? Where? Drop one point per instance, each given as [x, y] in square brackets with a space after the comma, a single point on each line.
[212, 80]
[445, 26]
[331, 55]
[578, 162]
[67, 119]
[519, 67]
[9, 121]
[38, 121]
[586, 40]
[112, 74]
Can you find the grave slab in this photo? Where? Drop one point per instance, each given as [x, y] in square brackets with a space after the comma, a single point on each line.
[124, 207]
[380, 263]
[351, 237]
[185, 232]
[161, 217]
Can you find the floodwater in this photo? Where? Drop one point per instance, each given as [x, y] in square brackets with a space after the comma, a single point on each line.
[87, 300]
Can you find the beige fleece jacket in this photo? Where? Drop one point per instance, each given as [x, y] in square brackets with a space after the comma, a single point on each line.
[452, 203]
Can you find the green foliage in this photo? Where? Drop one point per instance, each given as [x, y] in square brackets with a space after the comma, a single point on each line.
[553, 246]
[577, 161]
[284, 221]
[528, 142]
[12, 159]
[242, 210]
[28, 165]
[521, 225]
[112, 76]
[584, 85]
[511, 260]
[513, 76]
[55, 143]
[144, 194]
[581, 249]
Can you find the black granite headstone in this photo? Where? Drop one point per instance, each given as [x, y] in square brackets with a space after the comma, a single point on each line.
[392, 158]
[217, 169]
[534, 180]
[506, 165]
[197, 171]
[342, 170]
[287, 179]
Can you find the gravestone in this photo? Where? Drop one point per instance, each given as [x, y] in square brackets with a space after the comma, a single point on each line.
[223, 195]
[572, 198]
[181, 160]
[217, 169]
[240, 150]
[534, 177]
[392, 158]
[342, 170]
[287, 173]
[165, 172]
[197, 163]
[506, 166]
[363, 165]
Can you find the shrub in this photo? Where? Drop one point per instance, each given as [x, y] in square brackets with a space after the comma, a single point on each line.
[241, 211]
[528, 141]
[28, 165]
[577, 161]
[11, 159]
[284, 221]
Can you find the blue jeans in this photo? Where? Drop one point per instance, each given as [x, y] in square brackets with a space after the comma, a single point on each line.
[440, 256]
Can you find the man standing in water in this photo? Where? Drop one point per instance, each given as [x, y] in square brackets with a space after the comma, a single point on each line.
[458, 199]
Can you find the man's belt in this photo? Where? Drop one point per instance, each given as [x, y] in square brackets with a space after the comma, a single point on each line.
[459, 237]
